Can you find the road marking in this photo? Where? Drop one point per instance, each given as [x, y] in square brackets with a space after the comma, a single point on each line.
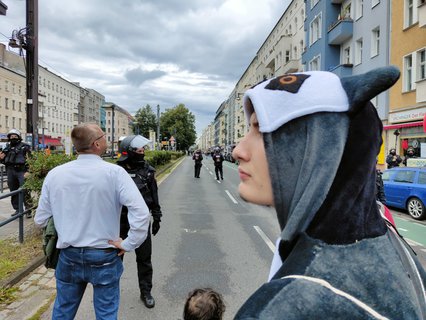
[402, 229]
[230, 195]
[413, 243]
[421, 225]
[265, 238]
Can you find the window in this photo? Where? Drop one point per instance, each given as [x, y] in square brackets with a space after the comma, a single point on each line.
[359, 7]
[408, 73]
[421, 63]
[375, 42]
[20, 106]
[346, 55]
[6, 103]
[287, 56]
[315, 64]
[422, 178]
[405, 176]
[410, 13]
[315, 29]
[358, 51]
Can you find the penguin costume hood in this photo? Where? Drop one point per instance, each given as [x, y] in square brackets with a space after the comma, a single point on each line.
[338, 258]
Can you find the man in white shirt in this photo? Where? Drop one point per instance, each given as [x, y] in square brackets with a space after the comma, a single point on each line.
[85, 197]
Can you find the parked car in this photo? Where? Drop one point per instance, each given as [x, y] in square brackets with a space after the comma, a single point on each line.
[405, 188]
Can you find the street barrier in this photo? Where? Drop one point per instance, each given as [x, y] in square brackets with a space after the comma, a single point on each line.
[21, 212]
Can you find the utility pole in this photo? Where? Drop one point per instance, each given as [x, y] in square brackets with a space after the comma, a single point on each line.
[158, 127]
[32, 70]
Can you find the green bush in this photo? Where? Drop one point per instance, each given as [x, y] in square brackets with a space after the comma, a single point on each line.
[39, 165]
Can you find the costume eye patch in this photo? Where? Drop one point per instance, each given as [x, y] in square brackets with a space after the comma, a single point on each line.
[288, 82]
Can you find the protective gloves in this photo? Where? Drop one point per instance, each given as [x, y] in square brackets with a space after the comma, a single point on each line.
[155, 226]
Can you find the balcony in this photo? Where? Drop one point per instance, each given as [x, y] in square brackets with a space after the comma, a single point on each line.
[340, 31]
[291, 66]
[421, 91]
[422, 15]
[342, 70]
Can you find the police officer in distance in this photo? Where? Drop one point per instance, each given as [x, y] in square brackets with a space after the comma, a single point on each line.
[218, 160]
[14, 156]
[132, 159]
[198, 163]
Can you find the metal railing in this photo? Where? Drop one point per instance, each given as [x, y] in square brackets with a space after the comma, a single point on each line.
[20, 214]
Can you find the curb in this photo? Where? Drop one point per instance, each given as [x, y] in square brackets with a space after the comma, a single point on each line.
[20, 274]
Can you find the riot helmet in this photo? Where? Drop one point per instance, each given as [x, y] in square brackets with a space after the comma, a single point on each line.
[14, 141]
[14, 131]
[129, 146]
[392, 151]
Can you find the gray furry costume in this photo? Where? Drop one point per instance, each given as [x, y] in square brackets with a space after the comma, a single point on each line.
[338, 258]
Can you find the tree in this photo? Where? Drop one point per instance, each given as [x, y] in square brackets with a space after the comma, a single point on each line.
[145, 121]
[179, 122]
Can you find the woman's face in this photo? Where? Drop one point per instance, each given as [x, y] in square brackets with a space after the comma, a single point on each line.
[255, 185]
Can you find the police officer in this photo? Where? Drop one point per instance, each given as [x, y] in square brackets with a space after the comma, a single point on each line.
[132, 150]
[410, 154]
[218, 160]
[14, 156]
[393, 160]
[198, 158]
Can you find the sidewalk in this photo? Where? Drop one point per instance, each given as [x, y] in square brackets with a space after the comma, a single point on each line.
[35, 292]
[11, 229]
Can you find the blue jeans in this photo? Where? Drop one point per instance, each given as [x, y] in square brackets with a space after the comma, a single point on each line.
[79, 266]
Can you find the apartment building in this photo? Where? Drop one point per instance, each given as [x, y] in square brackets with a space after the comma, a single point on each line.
[408, 95]
[58, 106]
[90, 105]
[117, 124]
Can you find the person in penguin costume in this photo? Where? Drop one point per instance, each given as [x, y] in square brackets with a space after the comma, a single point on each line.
[311, 153]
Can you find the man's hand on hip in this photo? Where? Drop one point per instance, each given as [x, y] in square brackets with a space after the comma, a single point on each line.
[117, 244]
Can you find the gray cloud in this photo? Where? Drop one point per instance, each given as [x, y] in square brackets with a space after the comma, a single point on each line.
[174, 51]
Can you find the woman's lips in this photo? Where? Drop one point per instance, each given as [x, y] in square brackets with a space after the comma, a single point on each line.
[243, 175]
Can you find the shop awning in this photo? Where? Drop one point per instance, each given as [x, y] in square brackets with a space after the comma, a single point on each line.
[403, 125]
[50, 141]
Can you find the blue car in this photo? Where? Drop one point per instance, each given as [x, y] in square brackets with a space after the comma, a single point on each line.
[405, 188]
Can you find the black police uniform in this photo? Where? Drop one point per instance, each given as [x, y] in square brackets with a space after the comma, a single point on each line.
[144, 177]
[15, 162]
[218, 168]
[198, 158]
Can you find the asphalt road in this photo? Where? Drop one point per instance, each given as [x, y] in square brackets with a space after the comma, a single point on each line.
[209, 237]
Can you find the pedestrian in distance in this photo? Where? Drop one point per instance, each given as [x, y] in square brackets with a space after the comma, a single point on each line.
[85, 197]
[14, 157]
[132, 159]
[218, 163]
[392, 159]
[198, 162]
[298, 157]
[204, 304]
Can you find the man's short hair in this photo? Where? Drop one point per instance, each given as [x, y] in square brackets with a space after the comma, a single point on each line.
[83, 135]
[204, 304]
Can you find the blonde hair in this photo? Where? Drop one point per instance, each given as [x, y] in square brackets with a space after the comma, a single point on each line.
[83, 135]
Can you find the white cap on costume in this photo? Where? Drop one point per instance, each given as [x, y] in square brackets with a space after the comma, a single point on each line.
[284, 98]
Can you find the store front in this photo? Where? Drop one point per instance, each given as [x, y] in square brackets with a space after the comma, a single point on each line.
[406, 129]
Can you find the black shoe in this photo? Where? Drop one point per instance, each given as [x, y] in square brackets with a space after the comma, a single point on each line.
[14, 214]
[29, 215]
[148, 300]
[222, 178]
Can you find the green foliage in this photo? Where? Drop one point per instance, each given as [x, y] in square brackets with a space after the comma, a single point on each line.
[145, 120]
[39, 165]
[180, 123]
[8, 295]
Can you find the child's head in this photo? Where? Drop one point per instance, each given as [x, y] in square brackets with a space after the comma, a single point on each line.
[204, 304]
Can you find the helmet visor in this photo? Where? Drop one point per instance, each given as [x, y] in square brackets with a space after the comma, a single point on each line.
[139, 142]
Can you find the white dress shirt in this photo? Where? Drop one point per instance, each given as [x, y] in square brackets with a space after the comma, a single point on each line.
[85, 197]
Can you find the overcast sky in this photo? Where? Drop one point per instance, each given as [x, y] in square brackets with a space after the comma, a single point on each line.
[138, 52]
